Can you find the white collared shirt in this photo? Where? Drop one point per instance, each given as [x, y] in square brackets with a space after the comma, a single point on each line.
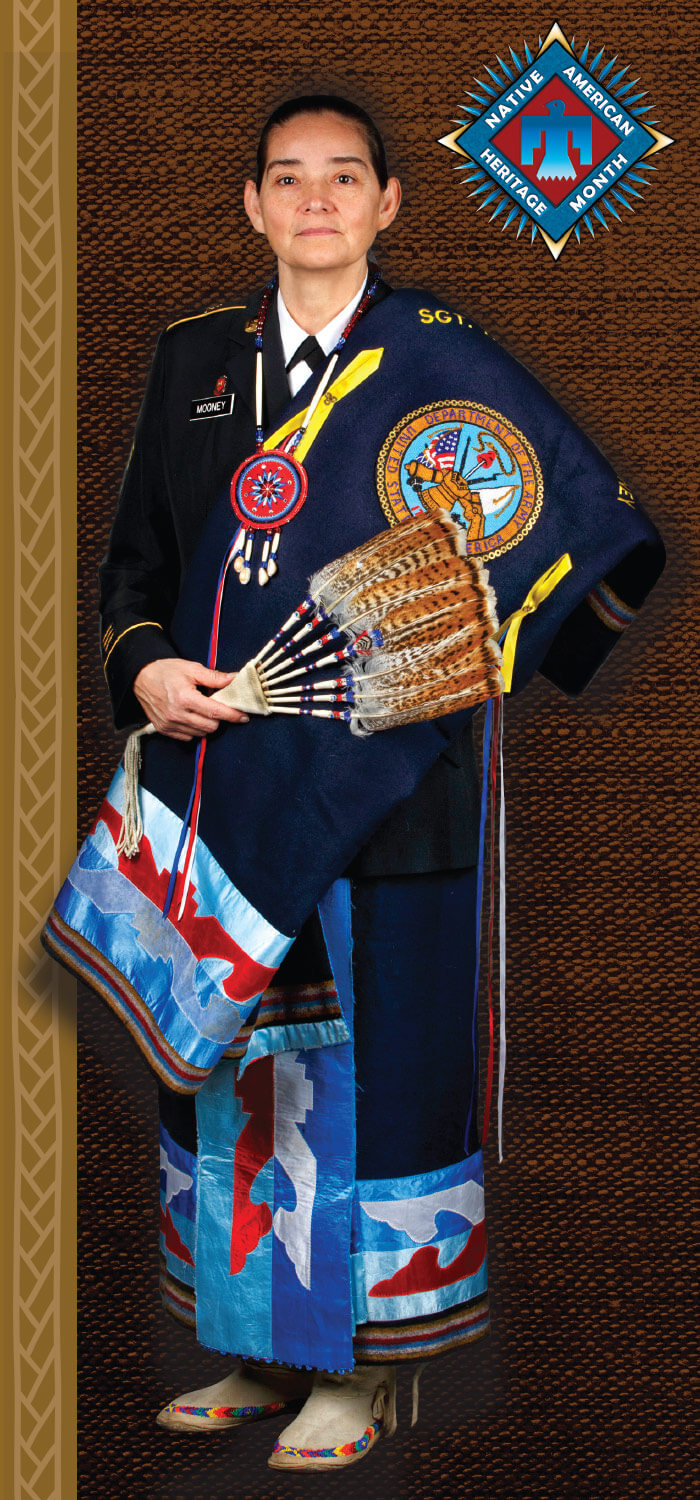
[292, 336]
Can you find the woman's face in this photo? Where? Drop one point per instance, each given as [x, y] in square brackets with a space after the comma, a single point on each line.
[320, 204]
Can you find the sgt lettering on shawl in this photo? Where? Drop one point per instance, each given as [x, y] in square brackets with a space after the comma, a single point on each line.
[291, 1257]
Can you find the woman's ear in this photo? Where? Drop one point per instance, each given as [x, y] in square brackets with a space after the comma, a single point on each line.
[251, 203]
[389, 206]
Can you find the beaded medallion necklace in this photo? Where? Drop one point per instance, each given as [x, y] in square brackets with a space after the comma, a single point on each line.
[269, 488]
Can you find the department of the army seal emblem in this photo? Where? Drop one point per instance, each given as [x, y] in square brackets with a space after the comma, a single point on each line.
[468, 461]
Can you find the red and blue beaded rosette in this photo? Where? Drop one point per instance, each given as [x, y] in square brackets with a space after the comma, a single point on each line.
[267, 491]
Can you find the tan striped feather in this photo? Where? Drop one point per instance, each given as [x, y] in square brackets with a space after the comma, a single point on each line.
[434, 657]
[392, 553]
[427, 676]
[378, 595]
[435, 616]
[464, 687]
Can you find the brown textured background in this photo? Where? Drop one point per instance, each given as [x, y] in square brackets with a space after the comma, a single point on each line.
[587, 1384]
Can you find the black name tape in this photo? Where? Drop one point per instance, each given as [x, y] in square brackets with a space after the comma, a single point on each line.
[211, 406]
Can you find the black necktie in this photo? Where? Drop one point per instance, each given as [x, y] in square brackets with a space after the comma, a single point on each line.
[310, 351]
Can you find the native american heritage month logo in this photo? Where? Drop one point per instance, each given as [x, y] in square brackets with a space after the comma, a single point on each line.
[468, 462]
[556, 141]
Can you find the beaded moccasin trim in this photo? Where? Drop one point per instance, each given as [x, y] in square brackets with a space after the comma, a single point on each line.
[237, 1413]
[344, 1451]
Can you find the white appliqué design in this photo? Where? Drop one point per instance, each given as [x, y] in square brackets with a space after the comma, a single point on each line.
[175, 1180]
[294, 1099]
[417, 1217]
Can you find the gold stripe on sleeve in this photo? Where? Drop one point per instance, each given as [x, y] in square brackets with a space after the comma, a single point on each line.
[120, 637]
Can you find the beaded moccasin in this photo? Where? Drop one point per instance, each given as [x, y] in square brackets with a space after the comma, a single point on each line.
[342, 1419]
[243, 1396]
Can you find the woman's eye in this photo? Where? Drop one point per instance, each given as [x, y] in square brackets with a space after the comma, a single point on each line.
[283, 181]
[345, 177]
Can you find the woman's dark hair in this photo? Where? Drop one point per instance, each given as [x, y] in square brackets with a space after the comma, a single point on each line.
[316, 104]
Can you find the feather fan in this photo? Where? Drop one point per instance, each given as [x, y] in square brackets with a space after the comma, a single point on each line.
[405, 627]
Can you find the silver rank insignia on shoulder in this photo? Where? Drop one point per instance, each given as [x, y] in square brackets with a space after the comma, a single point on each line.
[205, 407]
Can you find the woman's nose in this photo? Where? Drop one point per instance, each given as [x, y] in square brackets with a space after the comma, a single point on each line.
[318, 198]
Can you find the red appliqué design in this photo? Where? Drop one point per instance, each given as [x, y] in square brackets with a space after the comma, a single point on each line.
[204, 935]
[254, 1147]
[424, 1274]
[172, 1239]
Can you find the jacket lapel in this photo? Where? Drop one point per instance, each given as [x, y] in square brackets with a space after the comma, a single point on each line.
[276, 397]
[240, 362]
[226, 442]
[240, 354]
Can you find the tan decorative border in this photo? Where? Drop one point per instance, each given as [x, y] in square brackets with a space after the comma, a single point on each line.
[38, 731]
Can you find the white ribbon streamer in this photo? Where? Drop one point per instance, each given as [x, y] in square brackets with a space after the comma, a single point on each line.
[501, 942]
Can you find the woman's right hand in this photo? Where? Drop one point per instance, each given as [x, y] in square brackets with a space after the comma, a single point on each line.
[169, 693]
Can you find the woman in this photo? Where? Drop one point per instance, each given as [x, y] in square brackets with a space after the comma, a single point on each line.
[323, 1212]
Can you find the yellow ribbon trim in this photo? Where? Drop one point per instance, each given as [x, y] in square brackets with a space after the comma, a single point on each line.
[360, 367]
[537, 595]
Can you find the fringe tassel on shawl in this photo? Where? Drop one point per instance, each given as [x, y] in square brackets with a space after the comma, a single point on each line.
[131, 830]
[414, 1391]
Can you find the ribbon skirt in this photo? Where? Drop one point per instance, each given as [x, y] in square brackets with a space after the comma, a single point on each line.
[317, 1206]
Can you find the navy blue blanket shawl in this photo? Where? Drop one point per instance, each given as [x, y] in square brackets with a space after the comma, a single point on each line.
[287, 802]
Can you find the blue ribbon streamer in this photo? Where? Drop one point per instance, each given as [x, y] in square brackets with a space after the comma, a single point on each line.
[486, 758]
